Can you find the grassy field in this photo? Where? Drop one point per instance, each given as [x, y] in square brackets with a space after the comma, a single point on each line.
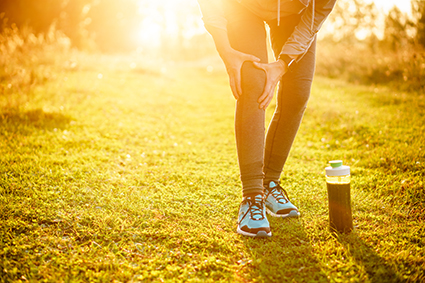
[118, 170]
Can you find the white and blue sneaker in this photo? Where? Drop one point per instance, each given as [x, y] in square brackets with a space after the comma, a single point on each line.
[252, 220]
[277, 201]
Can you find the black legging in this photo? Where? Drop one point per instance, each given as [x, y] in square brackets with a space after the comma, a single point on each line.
[261, 159]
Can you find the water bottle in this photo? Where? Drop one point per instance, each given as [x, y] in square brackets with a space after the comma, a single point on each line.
[338, 184]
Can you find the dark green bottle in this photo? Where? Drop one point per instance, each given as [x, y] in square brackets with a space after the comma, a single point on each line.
[339, 200]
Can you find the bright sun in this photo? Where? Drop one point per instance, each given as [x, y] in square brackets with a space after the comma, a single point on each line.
[167, 19]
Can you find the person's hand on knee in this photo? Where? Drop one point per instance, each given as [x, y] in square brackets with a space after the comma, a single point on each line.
[234, 60]
[274, 72]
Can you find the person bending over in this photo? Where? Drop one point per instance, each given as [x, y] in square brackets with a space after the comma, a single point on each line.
[238, 28]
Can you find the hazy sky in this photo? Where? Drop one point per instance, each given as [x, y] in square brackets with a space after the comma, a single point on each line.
[386, 5]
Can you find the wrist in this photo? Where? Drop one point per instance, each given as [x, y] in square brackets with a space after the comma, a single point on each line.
[221, 41]
[224, 49]
[288, 61]
[283, 64]
[226, 54]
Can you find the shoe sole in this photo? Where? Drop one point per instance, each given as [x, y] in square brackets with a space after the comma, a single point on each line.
[260, 234]
[292, 213]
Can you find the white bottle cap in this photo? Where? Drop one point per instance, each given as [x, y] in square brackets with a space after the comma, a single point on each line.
[337, 169]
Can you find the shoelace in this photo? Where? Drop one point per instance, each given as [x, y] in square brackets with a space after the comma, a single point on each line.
[255, 208]
[279, 193]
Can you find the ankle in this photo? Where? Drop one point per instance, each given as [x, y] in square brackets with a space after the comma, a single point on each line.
[253, 192]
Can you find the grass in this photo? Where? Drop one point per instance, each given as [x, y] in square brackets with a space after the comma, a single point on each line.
[121, 170]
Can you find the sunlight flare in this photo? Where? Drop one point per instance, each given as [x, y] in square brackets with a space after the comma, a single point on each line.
[168, 20]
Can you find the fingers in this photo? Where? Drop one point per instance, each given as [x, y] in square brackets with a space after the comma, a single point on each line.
[237, 75]
[263, 67]
[260, 66]
[266, 102]
[254, 59]
[267, 94]
[238, 83]
[249, 57]
[233, 87]
[274, 73]
[234, 71]
[266, 98]
[263, 96]
[235, 83]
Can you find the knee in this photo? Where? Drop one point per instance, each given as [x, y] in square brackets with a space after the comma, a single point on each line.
[252, 80]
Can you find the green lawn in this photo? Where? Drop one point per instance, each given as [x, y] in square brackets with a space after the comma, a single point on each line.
[113, 171]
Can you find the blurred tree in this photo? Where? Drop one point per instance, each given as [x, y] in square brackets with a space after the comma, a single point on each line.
[39, 15]
[397, 29]
[72, 19]
[351, 18]
[112, 24]
[418, 10]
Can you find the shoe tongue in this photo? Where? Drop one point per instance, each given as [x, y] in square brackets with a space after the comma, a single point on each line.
[257, 215]
[272, 184]
[258, 198]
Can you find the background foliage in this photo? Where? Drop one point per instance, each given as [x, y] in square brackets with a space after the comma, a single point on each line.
[393, 55]
[390, 51]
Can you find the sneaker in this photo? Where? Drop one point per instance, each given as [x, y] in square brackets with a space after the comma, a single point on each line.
[277, 201]
[252, 217]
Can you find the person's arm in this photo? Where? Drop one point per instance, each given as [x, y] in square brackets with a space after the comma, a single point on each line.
[212, 14]
[215, 24]
[232, 59]
[295, 47]
[305, 32]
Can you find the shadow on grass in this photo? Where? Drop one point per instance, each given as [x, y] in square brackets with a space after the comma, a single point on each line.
[375, 266]
[287, 257]
[22, 121]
